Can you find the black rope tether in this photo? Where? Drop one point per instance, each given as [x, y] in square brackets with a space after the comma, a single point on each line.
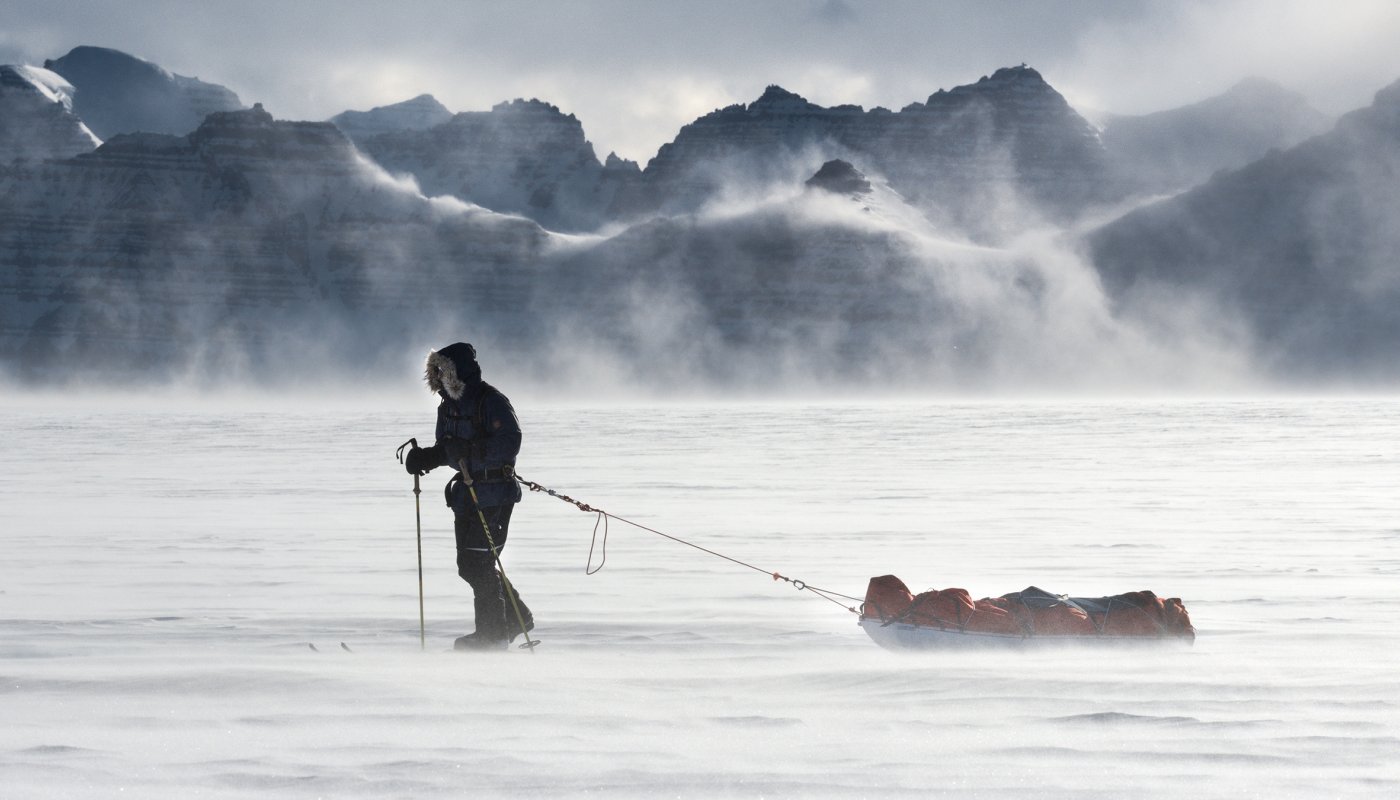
[602, 521]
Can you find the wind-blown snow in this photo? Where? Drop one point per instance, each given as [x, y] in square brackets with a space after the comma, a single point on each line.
[165, 569]
[49, 84]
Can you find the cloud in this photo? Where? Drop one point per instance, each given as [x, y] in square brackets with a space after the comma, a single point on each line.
[835, 12]
[1337, 54]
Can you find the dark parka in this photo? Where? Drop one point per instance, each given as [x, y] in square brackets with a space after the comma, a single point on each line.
[475, 423]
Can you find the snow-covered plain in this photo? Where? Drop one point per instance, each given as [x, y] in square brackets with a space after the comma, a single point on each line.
[165, 569]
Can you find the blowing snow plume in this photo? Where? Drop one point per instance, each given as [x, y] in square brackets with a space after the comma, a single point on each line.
[940, 253]
[819, 290]
[1300, 246]
[253, 246]
[1007, 138]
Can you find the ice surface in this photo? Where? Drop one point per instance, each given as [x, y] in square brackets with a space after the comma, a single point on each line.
[165, 569]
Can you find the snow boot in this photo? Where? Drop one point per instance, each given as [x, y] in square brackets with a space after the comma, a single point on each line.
[513, 606]
[514, 626]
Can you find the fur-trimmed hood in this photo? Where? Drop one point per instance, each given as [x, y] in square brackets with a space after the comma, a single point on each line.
[451, 370]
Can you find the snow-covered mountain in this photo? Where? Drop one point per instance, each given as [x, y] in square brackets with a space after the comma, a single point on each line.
[416, 114]
[252, 243]
[777, 241]
[523, 157]
[119, 93]
[1302, 245]
[1173, 150]
[841, 177]
[36, 116]
[156, 249]
[1008, 142]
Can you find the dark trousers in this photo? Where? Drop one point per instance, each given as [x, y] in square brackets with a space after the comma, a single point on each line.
[495, 616]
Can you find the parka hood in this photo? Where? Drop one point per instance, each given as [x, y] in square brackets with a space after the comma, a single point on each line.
[452, 369]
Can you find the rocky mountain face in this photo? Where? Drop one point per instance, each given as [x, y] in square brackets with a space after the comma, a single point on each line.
[972, 157]
[419, 113]
[840, 177]
[983, 159]
[1302, 245]
[36, 117]
[157, 251]
[1173, 150]
[1007, 141]
[119, 93]
[773, 243]
[256, 247]
[523, 157]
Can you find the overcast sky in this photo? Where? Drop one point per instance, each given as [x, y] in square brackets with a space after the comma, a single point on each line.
[634, 71]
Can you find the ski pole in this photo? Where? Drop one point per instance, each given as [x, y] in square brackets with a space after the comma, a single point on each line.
[529, 644]
[418, 518]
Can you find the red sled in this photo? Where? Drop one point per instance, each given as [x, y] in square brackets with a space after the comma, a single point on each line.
[949, 618]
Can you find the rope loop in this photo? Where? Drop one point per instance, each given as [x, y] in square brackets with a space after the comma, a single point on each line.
[588, 568]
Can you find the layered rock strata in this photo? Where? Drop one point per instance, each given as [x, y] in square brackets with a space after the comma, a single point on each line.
[155, 249]
[523, 157]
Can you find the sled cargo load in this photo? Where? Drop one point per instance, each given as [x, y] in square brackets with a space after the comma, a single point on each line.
[940, 619]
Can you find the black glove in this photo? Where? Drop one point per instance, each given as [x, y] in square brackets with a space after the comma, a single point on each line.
[416, 462]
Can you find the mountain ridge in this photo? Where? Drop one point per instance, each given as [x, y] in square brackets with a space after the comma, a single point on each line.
[120, 93]
[772, 239]
[1301, 243]
[416, 113]
[1170, 150]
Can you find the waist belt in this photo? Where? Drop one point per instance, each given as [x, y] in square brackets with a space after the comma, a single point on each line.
[499, 474]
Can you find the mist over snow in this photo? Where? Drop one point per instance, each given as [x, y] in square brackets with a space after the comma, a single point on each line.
[991, 236]
[811, 291]
[952, 258]
[1301, 246]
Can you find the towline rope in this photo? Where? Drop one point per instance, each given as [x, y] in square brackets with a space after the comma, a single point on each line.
[602, 520]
